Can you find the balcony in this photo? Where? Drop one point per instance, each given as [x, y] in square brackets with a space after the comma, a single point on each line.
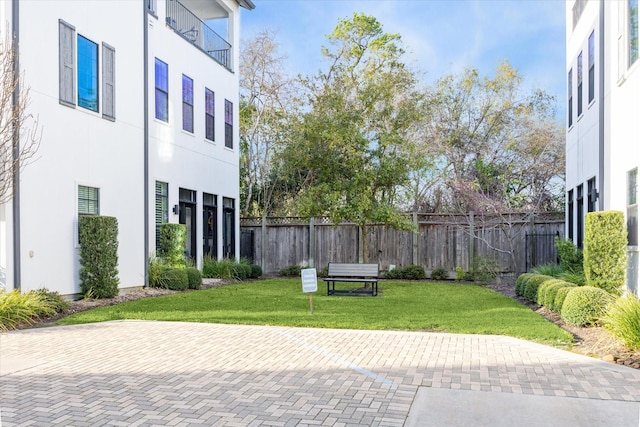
[188, 25]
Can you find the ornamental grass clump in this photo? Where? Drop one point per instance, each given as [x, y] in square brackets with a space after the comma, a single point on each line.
[17, 308]
[623, 320]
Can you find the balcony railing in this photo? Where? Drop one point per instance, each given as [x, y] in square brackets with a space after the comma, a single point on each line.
[192, 29]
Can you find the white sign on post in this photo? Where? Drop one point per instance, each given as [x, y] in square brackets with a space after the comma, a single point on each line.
[309, 280]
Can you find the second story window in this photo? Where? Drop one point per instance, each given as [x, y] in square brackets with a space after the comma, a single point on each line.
[162, 90]
[570, 98]
[579, 76]
[209, 114]
[228, 124]
[592, 67]
[187, 104]
[87, 74]
[633, 31]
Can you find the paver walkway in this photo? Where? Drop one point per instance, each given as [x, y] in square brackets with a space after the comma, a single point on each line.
[137, 373]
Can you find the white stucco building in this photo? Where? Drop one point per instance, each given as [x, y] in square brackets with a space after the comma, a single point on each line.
[138, 107]
[603, 117]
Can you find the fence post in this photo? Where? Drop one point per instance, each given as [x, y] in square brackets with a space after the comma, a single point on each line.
[263, 246]
[472, 238]
[414, 239]
[312, 242]
[360, 245]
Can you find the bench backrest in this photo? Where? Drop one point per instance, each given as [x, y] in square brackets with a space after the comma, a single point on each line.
[337, 269]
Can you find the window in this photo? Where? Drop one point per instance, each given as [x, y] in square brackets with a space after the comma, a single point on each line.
[578, 8]
[88, 203]
[87, 74]
[632, 207]
[579, 76]
[228, 124]
[187, 103]
[162, 91]
[162, 208]
[592, 195]
[151, 7]
[570, 215]
[108, 82]
[592, 67]
[570, 97]
[210, 225]
[67, 61]
[88, 200]
[580, 216]
[228, 228]
[209, 114]
[633, 31]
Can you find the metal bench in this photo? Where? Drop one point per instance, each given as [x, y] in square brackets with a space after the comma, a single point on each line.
[367, 274]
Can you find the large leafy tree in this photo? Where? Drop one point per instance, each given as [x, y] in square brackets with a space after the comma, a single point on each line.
[353, 149]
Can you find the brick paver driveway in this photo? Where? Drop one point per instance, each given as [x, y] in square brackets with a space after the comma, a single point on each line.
[133, 373]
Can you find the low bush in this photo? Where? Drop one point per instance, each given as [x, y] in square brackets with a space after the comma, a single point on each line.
[256, 271]
[460, 273]
[241, 271]
[194, 277]
[551, 269]
[439, 274]
[561, 295]
[396, 274]
[414, 272]
[521, 282]
[175, 279]
[623, 320]
[52, 299]
[156, 270]
[291, 271]
[485, 269]
[548, 290]
[552, 295]
[585, 305]
[531, 288]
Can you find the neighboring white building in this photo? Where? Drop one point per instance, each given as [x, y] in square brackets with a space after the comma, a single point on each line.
[603, 117]
[104, 150]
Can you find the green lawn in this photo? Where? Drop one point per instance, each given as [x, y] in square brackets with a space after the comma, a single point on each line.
[411, 306]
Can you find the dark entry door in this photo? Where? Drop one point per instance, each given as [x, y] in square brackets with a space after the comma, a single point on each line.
[209, 238]
[228, 229]
[188, 218]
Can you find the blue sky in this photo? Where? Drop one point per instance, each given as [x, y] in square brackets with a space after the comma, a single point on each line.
[440, 36]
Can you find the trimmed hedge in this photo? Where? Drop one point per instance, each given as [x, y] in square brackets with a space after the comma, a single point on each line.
[561, 295]
[256, 271]
[175, 279]
[173, 240]
[531, 288]
[585, 305]
[98, 256]
[605, 250]
[544, 294]
[521, 282]
[552, 295]
[194, 276]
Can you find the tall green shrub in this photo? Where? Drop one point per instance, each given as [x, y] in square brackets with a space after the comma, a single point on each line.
[98, 256]
[605, 250]
[173, 240]
[570, 255]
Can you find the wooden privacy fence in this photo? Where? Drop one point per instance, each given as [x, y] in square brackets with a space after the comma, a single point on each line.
[516, 242]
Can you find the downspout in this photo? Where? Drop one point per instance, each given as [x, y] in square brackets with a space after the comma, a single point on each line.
[146, 139]
[15, 26]
[601, 113]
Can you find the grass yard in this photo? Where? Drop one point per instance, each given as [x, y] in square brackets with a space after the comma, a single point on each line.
[411, 306]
